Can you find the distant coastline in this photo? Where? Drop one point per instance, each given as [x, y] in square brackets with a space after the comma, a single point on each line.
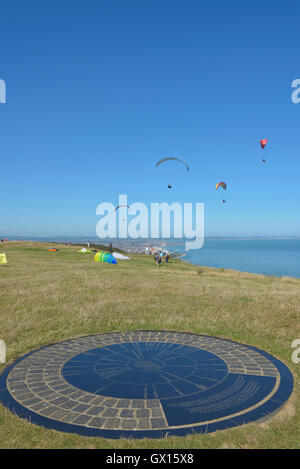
[274, 256]
[139, 241]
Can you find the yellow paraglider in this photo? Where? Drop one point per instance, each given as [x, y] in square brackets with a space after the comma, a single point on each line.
[3, 259]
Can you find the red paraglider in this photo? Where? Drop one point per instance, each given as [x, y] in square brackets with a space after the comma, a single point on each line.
[263, 143]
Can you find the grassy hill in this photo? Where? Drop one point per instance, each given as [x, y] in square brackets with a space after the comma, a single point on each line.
[53, 296]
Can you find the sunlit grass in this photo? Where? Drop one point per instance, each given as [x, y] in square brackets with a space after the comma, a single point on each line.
[51, 296]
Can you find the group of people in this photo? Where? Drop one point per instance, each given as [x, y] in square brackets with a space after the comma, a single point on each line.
[159, 256]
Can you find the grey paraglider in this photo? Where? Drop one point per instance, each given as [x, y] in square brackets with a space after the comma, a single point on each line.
[172, 158]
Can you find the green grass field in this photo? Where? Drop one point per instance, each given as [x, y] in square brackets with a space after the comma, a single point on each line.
[53, 296]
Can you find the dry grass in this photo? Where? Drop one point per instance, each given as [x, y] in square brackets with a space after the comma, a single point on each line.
[51, 296]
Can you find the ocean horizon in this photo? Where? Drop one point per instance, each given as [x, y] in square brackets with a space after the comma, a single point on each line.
[276, 256]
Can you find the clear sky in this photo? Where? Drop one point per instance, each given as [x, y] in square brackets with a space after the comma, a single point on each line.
[98, 91]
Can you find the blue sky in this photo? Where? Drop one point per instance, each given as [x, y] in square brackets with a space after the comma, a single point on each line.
[98, 92]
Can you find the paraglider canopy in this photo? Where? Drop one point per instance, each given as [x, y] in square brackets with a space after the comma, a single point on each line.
[172, 158]
[121, 206]
[117, 255]
[222, 184]
[263, 143]
[103, 256]
[3, 259]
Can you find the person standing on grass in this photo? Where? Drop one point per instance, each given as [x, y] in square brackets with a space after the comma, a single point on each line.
[157, 259]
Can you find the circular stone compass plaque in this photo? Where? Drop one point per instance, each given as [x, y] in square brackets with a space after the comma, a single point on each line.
[145, 384]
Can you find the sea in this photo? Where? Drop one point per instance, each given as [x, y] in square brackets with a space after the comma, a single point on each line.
[261, 255]
[269, 256]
